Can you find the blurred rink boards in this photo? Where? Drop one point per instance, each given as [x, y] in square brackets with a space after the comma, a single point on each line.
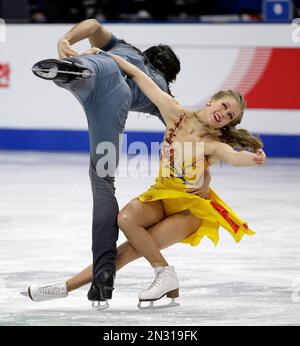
[259, 60]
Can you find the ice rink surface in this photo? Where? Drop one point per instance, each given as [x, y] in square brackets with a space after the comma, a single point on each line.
[45, 228]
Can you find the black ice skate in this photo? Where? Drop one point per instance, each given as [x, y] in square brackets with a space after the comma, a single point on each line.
[101, 290]
[63, 71]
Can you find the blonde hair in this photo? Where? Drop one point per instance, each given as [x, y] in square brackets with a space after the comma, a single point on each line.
[236, 138]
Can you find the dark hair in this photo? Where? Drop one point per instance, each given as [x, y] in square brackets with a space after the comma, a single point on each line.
[163, 58]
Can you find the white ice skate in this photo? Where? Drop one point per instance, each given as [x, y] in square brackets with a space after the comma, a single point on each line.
[49, 292]
[165, 283]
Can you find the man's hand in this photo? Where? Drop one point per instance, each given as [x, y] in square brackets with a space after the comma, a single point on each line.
[202, 191]
[260, 157]
[91, 51]
[65, 50]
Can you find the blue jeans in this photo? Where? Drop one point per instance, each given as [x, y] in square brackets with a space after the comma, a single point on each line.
[106, 99]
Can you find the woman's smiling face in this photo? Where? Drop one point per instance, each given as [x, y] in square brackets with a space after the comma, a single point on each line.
[221, 112]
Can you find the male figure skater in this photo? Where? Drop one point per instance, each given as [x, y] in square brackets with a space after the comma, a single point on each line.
[106, 96]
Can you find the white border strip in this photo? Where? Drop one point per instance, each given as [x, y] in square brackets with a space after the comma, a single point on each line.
[2, 31]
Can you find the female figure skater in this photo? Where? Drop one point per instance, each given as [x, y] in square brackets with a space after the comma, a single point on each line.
[145, 220]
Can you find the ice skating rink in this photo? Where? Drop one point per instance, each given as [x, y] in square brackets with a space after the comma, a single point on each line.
[45, 227]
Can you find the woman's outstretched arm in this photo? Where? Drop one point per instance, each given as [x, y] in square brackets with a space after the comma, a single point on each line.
[224, 152]
[168, 107]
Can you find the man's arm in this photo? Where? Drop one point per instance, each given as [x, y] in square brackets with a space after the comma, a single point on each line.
[90, 29]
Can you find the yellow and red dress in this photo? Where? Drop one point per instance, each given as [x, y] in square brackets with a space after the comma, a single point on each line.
[213, 212]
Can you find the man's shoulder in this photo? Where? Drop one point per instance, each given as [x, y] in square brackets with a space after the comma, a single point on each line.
[123, 46]
[136, 57]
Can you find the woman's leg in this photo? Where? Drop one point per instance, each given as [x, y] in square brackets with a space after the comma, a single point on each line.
[83, 278]
[134, 219]
[169, 231]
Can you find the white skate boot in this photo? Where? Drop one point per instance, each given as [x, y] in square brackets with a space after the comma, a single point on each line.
[49, 292]
[165, 283]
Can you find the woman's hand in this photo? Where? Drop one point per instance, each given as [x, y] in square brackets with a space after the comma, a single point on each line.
[202, 191]
[65, 50]
[92, 51]
[260, 157]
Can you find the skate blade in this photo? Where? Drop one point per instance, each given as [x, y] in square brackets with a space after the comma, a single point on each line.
[52, 72]
[49, 73]
[151, 306]
[99, 306]
[25, 293]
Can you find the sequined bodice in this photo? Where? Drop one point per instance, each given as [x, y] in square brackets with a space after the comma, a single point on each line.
[189, 168]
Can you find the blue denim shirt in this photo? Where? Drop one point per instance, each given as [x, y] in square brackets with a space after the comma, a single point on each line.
[140, 103]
